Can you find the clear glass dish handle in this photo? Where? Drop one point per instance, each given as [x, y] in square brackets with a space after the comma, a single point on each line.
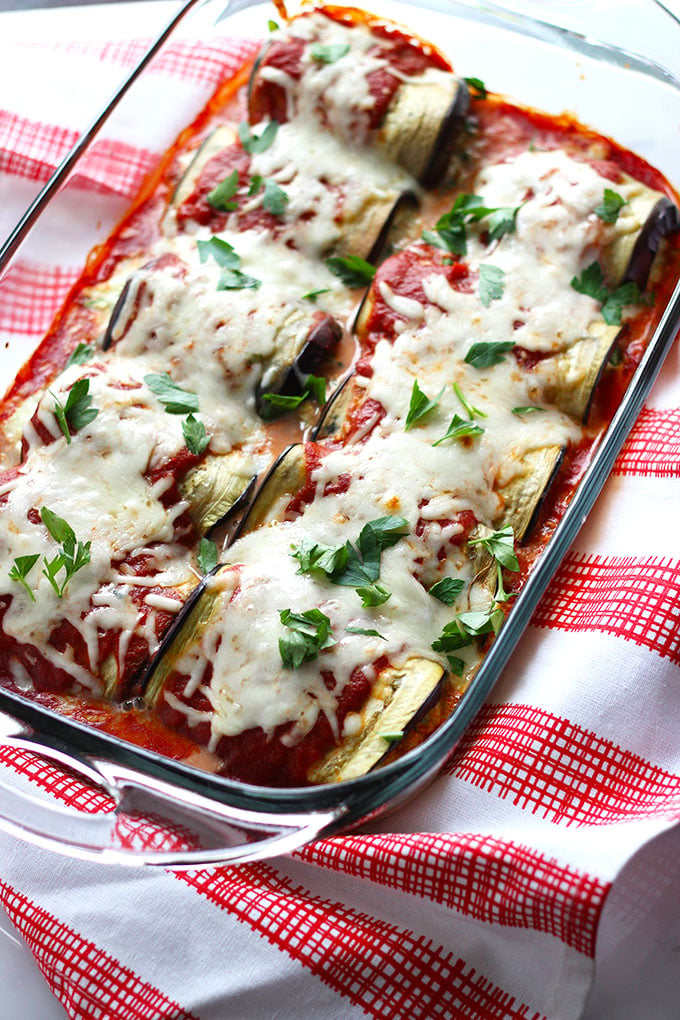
[135, 819]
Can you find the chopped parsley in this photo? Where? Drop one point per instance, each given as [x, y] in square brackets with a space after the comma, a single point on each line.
[229, 261]
[450, 232]
[72, 556]
[315, 386]
[473, 412]
[367, 631]
[611, 205]
[254, 144]
[220, 197]
[500, 545]
[309, 633]
[20, 570]
[392, 738]
[491, 284]
[195, 436]
[355, 566]
[447, 589]
[459, 428]
[487, 353]
[352, 270]
[77, 412]
[420, 406]
[528, 409]
[591, 282]
[80, 354]
[255, 184]
[272, 26]
[174, 399]
[478, 86]
[312, 295]
[328, 54]
[275, 198]
[207, 556]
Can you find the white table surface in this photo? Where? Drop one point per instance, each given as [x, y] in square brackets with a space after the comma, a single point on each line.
[638, 956]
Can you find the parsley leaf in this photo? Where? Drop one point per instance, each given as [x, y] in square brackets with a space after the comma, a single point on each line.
[328, 54]
[315, 386]
[255, 184]
[527, 410]
[221, 251]
[275, 198]
[368, 631]
[459, 429]
[591, 283]
[420, 406]
[21, 568]
[611, 205]
[501, 545]
[491, 284]
[207, 556]
[77, 411]
[174, 399]
[453, 636]
[447, 589]
[310, 633]
[322, 558]
[392, 738]
[373, 594]
[219, 197]
[312, 295]
[72, 556]
[234, 279]
[80, 354]
[450, 229]
[485, 354]
[478, 85]
[355, 566]
[195, 435]
[272, 25]
[352, 270]
[257, 143]
[474, 412]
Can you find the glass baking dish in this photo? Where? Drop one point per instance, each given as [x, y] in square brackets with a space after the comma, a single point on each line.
[554, 56]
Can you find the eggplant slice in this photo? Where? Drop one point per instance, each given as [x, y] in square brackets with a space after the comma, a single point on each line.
[301, 350]
[215, 491]
[422, 125]
[399, 699]
[218, 140]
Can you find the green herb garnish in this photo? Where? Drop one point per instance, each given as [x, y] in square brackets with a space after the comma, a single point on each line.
[257, 143]
[310, 633]
[459, 428]
[470, 409]
[527, 410]
[368, 631]
[450, 232]
[610, 206]
[315, 386]
[312, 295]
[174, 399]
[328, 54]
[206, 556]
[491, 284]
[219, 197]
[500, 545]
[224, 255]
[478, 85]
[275, 198]
[352, 270]
[447, 589]
[195, 435]
[420, 406]
[80, 354]
[72, 556]
[76, 412]
[591, 283]
[486, 354]
[21, 568]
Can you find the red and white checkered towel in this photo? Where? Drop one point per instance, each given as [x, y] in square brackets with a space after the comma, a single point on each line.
[482, 899]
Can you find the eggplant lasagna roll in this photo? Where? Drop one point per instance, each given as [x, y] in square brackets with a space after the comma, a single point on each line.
[274, 476]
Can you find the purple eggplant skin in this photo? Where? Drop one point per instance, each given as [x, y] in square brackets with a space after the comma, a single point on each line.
[449, 131]
[663, 220]
[173, 630]
[115, 315]
[321, 341]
